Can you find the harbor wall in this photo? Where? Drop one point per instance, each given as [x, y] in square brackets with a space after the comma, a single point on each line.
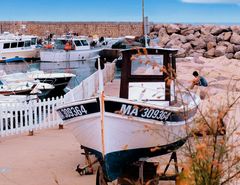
[107, 29]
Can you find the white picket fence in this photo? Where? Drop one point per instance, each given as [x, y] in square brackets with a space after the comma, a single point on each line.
[16, 118]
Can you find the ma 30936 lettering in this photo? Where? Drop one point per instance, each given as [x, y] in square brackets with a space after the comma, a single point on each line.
[150, 113]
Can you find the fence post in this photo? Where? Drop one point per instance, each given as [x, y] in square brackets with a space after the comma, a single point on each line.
[60, 102]
[29, 107]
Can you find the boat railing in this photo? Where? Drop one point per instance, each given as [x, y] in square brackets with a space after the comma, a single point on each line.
[90, 86]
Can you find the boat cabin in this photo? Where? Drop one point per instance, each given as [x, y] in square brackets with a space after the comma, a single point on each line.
[148, 75]
[74, 43]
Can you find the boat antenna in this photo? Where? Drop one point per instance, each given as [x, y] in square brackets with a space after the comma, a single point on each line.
[143, 30]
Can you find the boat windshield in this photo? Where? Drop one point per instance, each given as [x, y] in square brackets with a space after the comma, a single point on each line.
[84, 42]
[77, 43]
[59, 44]
[147, 65]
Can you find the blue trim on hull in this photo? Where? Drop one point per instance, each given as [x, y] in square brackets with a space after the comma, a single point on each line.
[16, 59]
[114, 163]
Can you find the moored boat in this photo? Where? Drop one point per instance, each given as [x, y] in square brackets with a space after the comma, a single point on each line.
[14, 48]
[48, 84]
[148, 119]
[69, 49]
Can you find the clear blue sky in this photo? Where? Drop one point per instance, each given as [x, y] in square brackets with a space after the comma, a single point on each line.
[167, 11]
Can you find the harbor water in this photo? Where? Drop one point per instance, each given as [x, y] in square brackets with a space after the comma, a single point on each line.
[82, 69]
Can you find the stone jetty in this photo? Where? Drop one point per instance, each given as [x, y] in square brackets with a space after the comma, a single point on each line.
[200, 40]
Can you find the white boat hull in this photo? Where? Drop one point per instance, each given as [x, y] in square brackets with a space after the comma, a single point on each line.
[126, 130]
[25, 53]
[72, 55]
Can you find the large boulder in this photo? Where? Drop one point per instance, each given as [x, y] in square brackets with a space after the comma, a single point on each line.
[157, 27]
[206, 29]
[184, 26]
[187, 47]
[162, 31]
[197, 34]
[196, 28]
[216, 30]
[220, 51]
[237, 55]
[197, 53]
[236, 48]
[181, 53]
[235, 39]
[190, 38]
[164, 39]
[172, 28]
[187, 32]
[211, 45]
[199, 43]
[229, 55]
[209, 38]
[225, 36]
[210, 53]
[235, 29]
[175, 36]
[230, 48]
[174, 44]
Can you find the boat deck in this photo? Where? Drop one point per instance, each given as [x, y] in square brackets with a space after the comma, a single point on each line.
[112, 88]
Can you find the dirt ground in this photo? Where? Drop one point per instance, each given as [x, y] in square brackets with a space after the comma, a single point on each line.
[49, 157]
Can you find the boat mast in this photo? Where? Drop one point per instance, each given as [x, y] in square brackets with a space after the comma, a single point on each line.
[144, 29]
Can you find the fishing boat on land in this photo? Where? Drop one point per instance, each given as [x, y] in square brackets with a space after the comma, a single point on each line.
[69, 48]
[148, 119]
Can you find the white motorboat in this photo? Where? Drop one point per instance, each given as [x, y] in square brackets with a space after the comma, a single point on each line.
[147, 120]
[21, 88]
[49, 84]
[14, 48]
[69, 49]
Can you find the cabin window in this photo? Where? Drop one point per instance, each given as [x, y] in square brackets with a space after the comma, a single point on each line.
[6, 45]
[20, 44]
[77, 43]
[13, 44]
[84, 42]
[33, 41]
[27, 43]
[147, 65]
